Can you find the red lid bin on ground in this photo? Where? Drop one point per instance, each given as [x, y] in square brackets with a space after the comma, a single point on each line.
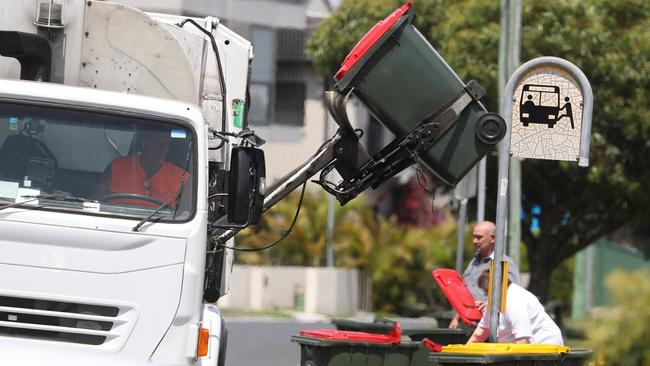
[453, 286]
[326, 347]
[393, 337]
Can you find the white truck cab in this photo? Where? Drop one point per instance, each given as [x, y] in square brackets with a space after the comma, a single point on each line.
[93, 272]
[79, 280]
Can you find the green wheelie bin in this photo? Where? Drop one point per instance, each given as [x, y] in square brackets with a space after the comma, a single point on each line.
[503, 354]
[441, 336]
[329, 347]
[404, 82]
[420, 357]
[378, 326]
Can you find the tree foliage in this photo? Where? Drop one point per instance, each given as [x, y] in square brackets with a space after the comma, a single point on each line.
[621, 334]
[609, 41]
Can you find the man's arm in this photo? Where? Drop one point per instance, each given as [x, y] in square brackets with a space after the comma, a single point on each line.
[523, 340]
[479, 335]
[455, 321]
[453, 324]
[480, 305]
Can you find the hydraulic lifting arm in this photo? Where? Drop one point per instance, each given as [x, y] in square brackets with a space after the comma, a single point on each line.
[344, 153]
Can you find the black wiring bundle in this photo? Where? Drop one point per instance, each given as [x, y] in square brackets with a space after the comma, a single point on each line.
[286, 233]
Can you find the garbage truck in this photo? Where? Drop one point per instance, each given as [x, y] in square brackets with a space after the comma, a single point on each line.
[127, 166]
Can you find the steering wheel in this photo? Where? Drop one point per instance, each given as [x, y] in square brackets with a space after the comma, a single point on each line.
[132, 196]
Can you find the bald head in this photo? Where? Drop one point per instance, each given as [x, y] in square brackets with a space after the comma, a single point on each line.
[484, 237]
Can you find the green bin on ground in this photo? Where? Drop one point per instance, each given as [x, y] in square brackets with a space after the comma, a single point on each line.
[420, 357]
[510, 355]
[378, 326]
[365, 349]
[442, 336]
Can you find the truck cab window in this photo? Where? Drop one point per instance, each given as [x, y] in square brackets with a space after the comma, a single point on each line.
[128, 164]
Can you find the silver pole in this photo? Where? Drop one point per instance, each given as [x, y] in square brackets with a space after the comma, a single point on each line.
[508, 62]
[480, 204]
[514, 222]
[508, 56]
[589, 278]
[330, 230]
[329, 255]
[499, 247]
[460, 245]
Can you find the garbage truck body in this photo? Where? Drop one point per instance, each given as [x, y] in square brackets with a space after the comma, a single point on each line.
[89, 276]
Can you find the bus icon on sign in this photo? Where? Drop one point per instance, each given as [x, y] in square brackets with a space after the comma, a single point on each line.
[541, 104]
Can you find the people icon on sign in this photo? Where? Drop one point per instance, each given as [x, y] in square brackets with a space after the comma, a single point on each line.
[568, 112]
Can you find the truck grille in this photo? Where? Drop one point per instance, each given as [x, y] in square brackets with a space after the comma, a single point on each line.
[62, 321]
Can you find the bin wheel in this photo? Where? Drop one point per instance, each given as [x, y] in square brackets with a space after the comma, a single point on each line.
[550, 125]
[490, 128]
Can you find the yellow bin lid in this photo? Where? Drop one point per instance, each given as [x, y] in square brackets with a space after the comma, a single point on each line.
[503, 348]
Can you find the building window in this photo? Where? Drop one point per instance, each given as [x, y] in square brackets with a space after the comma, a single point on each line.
[290, 104]
[278, 88]
[291, 45]
[262, 75]
[259, 112]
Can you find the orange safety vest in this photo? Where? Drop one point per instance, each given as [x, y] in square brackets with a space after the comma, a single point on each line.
[127, 176]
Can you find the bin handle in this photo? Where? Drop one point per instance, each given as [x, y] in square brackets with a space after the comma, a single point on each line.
[431, 345]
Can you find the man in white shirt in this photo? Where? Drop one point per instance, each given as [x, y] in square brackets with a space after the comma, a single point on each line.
[524, 321]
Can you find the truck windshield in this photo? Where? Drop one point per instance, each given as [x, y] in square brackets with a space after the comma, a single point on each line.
[95, 162]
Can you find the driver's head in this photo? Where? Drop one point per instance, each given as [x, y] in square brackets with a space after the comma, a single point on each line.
[33, 126]
[154, 144]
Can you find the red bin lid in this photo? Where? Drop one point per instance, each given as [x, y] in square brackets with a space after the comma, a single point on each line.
[394, 336]
[370, 39]
[452, 285]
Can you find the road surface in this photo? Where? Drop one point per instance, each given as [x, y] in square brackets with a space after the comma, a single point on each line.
[260, 341]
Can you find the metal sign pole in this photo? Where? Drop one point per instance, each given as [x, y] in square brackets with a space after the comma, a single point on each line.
[480, 204]
[465, 189]
[460, 244]
[502, 212]
[508, 58]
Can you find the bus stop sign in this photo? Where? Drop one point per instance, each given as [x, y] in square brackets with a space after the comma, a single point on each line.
[547, 105]
[551, 112]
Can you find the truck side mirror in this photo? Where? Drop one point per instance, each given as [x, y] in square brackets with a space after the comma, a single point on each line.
[247, 185]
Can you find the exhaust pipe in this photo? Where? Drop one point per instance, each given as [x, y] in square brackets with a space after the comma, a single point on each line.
[32, 51]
